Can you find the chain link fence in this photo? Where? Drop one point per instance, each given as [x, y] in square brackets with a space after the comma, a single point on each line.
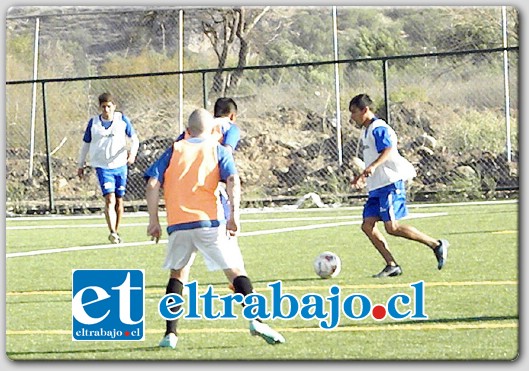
[448, 108]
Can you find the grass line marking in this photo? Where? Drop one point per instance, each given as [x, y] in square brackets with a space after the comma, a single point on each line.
[505, 232]
[77, 248]
[145, 224]
[297, 288]
[244, 234]
[347, 328]
[68, 226]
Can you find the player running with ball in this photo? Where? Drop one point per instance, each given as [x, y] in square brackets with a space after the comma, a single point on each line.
[384, 175]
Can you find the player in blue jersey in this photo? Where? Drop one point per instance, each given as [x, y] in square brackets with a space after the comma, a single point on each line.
[105, 142]
[225, 113]
[224, 130]
[227, 133]
[384, 175]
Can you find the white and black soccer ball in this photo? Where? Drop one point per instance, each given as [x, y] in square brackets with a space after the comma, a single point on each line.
[327, 265]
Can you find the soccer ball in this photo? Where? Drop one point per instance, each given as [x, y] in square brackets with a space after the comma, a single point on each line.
[327, 265]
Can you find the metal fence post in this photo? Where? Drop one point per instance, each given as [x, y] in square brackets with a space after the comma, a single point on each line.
[48, 155]
[204, 90]
[506, 86]
[386, 91]
[34, 97]
[337, 90]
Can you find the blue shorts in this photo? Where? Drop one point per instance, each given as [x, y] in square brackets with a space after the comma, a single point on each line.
[113, 180]
[387, 203]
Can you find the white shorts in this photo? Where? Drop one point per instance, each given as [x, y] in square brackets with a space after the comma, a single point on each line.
[220, 251]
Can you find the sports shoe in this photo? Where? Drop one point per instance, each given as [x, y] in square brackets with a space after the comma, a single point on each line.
[114, 238]
[441, 253]
[389, 271]
[169, 341]
[266, 332]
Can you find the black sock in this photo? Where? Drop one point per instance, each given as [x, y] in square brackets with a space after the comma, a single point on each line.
[242, 285]
[174, 286]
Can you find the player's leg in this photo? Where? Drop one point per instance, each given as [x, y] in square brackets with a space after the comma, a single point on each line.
[174, 286]
[369, 227]
[110, 211]
[180, 256]
[394, 206]
[120, 178]
[397, 229]
[111, 217]
[107, 182]
[120, 209]
[242, 284]
[222, 252]
[185, 273]
[371, 216]
[439, 247]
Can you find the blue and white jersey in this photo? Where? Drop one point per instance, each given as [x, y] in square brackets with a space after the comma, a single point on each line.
[225, 131]
[229, 134]
[108, 141]
[376, 137]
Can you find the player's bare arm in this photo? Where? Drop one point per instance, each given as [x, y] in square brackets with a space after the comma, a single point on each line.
[233, 188]
[135, 145]
[81, 160]
[152, 195]
[359, 181]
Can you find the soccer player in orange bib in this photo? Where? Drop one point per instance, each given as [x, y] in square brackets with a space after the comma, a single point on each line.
[190, 172]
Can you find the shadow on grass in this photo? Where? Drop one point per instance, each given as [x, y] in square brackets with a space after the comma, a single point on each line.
[78, 351]
[152, 349]
[156, 349]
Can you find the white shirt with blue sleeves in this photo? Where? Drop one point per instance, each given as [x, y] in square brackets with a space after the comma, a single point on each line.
[376, 137]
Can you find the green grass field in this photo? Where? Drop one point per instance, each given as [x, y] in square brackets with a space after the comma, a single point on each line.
[472, 304]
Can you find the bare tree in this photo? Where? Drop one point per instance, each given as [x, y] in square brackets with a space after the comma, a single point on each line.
[162, 26]
[227, 29]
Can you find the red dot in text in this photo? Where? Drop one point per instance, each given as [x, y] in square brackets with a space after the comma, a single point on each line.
[378, 312]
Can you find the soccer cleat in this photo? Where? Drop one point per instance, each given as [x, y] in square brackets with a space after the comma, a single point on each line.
[114, 238]
[266, 332]
[169, 341]
[441, 253]
[389, 271]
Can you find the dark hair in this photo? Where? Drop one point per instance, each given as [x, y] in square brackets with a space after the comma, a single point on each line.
[106, 97]
[224, 107]
[360, 101]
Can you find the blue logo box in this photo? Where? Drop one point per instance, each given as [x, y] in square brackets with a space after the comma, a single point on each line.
[108, 304]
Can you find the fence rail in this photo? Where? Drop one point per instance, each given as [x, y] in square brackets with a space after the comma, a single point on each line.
[448, 109]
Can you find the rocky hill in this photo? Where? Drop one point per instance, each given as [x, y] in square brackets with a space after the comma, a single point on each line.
[292, 156]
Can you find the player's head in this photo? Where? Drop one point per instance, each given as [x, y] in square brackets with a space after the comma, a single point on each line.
[225, 107]
[107, 105]
[106, 98]
[200, 123]
[360, 110]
